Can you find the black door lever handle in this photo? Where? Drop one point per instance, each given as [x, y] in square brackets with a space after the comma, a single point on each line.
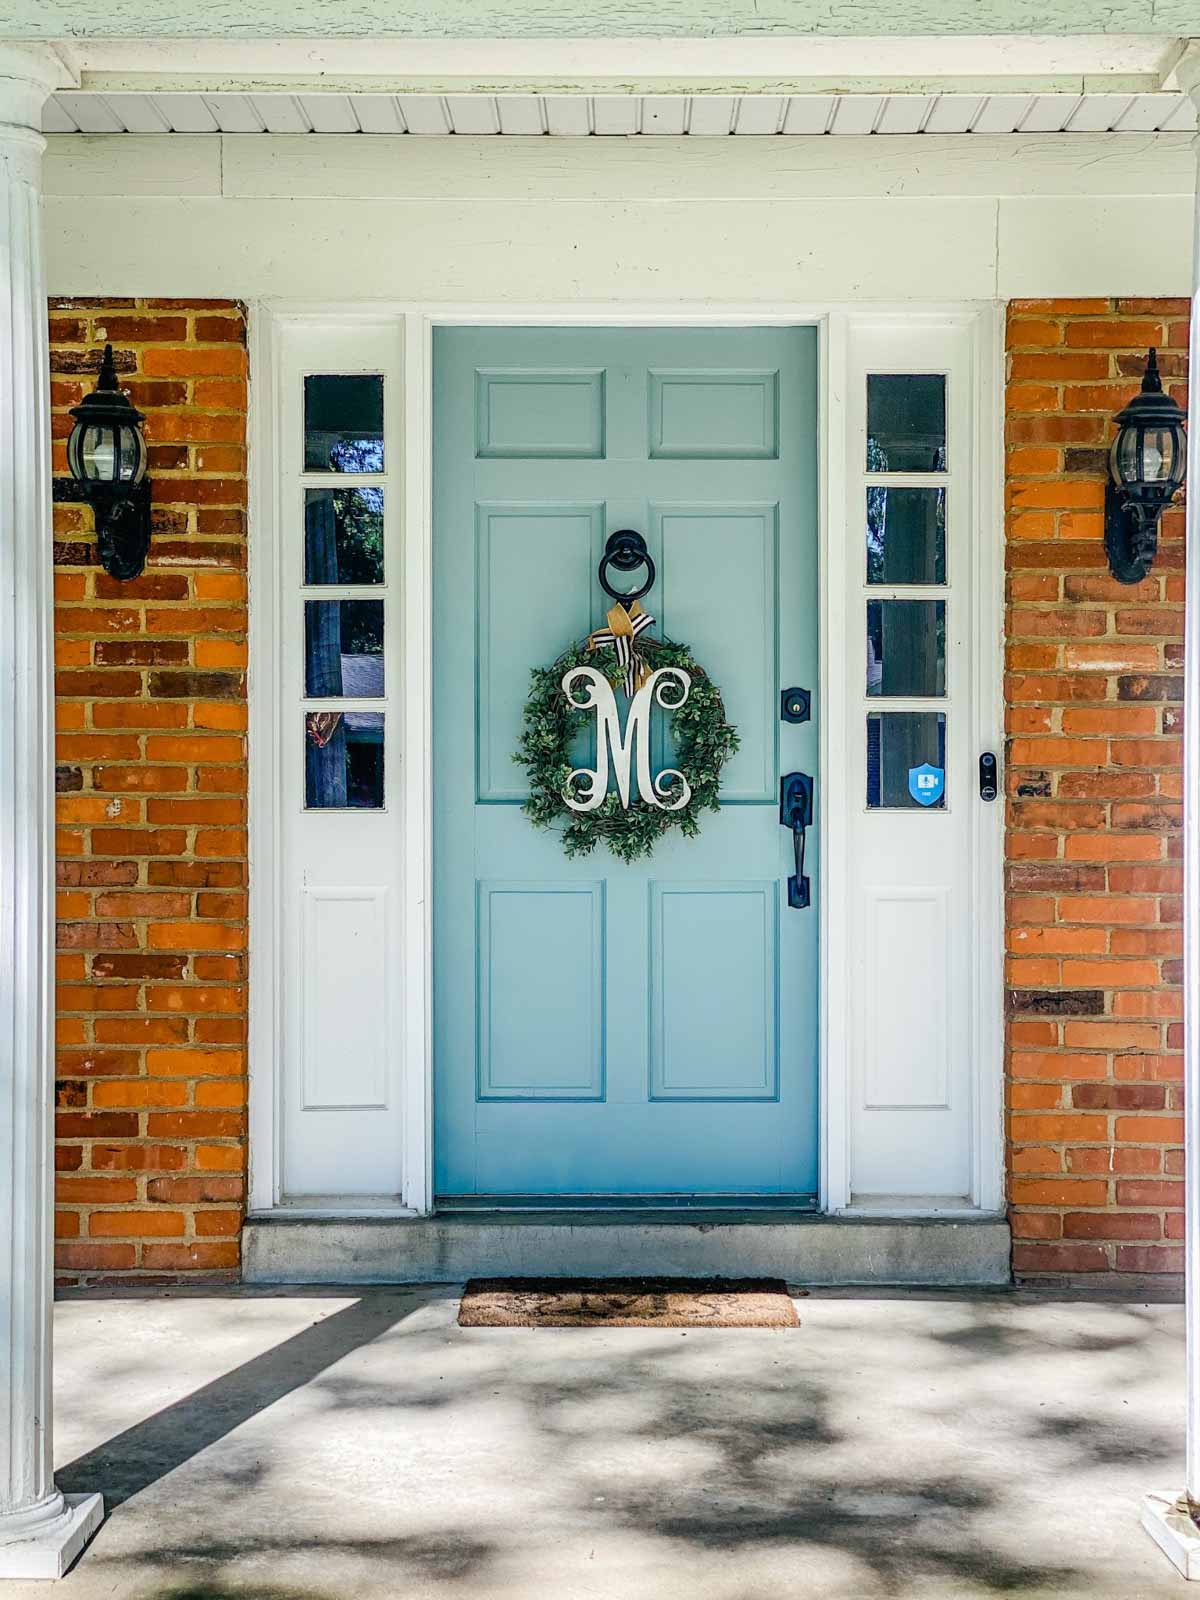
[796, 813]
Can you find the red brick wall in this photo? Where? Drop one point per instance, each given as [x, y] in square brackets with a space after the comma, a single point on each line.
[151, 810]
[1094, 685]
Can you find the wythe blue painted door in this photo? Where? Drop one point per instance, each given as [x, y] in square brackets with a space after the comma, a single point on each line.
[603, 1029]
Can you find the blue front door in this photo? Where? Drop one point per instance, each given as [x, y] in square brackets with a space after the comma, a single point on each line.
[602, 1029]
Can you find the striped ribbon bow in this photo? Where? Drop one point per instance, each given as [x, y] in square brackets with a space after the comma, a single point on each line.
[622, 633]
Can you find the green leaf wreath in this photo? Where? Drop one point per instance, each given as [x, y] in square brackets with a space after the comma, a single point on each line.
[704, 742]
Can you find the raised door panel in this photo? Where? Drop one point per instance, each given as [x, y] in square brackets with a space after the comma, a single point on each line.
[525, 413]
[907, 997]
[541, 991]
[714, 991]
[714, 416]
[718, 593]
[344, 998]
[534, 568]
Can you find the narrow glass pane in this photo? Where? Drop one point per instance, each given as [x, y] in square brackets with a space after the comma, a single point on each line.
[343, 760]
[343, 423]
[343, 649]
[906, 760]
[343, 535]
[906, 647]
[99, 453]
[906, 422]
[906, 535]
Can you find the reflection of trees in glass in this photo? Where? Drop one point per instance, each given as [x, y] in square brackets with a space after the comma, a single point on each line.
[876, 532]
[357, 455]
[358, 515]
[910, 545]
[343, 535]
[362, 627]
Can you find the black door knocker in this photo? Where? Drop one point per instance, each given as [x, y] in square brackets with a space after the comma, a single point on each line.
[626, 550]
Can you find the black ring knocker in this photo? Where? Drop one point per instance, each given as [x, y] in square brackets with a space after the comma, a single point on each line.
[626, 550]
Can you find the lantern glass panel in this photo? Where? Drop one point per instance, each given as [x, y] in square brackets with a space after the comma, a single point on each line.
[1159, 447]
[1124, 455]
[97, 453]
[1146, 455]
[105, 452]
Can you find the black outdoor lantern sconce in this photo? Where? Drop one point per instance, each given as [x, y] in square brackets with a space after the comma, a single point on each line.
[1146, 465]
[107, 457]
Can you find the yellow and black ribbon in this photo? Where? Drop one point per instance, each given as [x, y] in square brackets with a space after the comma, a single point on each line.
[622, 633]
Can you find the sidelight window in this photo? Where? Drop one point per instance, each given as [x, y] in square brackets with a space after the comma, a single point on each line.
[345, 602]
[905, 503]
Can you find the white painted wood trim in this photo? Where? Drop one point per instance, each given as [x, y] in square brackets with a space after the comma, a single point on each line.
[418, 322]
[417, 759]
[264, 534]
[987, 723]
[833, 779]
[335, 63]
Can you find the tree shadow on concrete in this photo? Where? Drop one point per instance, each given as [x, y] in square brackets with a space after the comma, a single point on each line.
[742, 1454]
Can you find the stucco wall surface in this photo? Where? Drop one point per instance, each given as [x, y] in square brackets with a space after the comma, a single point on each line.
[533, 19]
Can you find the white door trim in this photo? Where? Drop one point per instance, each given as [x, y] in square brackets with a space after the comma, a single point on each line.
[265, 765]
[987, 728]
[833, 324]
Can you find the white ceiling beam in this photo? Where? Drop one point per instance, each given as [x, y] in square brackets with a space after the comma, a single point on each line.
[1131, 63]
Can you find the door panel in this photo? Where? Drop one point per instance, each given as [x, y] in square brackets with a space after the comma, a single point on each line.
[726, 557]
[602, 1029]
[540, 983]
[714, 991]
[534, 562]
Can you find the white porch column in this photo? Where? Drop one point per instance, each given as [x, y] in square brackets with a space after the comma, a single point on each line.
[40, 1531]
[1174, 1519]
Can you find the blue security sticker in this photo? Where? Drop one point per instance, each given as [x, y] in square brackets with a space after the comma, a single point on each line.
[926, 784]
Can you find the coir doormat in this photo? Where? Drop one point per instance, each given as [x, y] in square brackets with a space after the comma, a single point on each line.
[627, 1303]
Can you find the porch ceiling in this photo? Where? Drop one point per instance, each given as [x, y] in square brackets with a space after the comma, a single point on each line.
[712, 114]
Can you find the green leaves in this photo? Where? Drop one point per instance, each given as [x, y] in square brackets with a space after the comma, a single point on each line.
[704, 742]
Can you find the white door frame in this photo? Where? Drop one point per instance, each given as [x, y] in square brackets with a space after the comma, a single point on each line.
[985, 324]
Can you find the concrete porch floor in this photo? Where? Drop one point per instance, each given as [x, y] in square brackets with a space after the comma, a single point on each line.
[351, 1445]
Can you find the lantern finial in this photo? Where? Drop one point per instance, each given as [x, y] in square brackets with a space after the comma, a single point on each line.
[107, 378]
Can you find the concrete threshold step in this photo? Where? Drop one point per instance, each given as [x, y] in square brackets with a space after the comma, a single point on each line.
[801, 1247]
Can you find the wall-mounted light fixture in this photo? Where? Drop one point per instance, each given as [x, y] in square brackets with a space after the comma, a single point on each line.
[107, 457]
[1146, 465]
